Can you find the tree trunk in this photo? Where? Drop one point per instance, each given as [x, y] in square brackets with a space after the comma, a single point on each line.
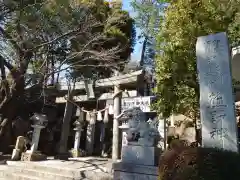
[11, 97]
[143, 52]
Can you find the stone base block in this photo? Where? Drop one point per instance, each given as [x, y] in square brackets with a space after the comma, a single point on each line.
[77, 153]
[16, 155]
[126, 171]
[142, 155]
[62, 156]
[33, 156]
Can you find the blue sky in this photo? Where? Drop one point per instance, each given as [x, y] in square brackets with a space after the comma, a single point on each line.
[136, 55]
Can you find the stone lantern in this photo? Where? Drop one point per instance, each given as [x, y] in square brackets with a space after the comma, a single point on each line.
[78, 124]
[39, 122]
[78, 129]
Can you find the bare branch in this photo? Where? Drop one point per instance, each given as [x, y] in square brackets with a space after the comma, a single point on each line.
[79, 31]
[9, 38]
[113, 66]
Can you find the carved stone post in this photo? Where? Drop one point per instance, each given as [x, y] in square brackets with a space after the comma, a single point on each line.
[40, 121]
[117, 111]
[91, 133]
[124, 128]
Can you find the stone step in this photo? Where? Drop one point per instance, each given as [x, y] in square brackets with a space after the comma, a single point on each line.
[15, 176]
[8, 173]
[42, 174]
[16, 173]
[52, 172]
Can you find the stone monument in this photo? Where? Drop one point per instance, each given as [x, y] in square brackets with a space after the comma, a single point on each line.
[218, 118]
[140, 154]
[39, 122]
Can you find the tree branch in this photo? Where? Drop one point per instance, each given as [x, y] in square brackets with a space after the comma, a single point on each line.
[10, 39]
[6, 63]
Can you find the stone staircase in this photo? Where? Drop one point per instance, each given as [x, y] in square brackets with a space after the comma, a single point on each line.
[54, 170]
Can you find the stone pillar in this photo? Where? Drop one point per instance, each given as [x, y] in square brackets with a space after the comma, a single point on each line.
[103, 134]
[102, 139]
[124, 128]
[75, 151]
[40, 121]
[171, 132]
[77, 138]
[162, 133]
[63, 154]
[117, 111]
[36, 136]
[217, 110]
[91, 133]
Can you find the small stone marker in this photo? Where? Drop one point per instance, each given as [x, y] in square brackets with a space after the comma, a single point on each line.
[216, 94]
[20, 143]
[19, 148]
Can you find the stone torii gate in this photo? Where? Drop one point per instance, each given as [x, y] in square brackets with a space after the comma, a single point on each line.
[135, 79]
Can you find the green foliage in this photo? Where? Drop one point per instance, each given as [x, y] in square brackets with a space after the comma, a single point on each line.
[185, 20]
[54, 31]
[148, 15]
[197, 163]
[147, 18]
[117, 29]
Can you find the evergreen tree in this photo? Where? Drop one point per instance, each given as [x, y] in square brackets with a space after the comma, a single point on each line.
[184, 21]
[147, 19]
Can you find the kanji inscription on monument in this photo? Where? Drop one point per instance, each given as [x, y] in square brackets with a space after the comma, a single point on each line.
[216, 94]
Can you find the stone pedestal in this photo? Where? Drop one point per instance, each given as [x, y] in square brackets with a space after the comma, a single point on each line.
[142, 155]
[33, 156]
[75, 153]
[126, 171]
[62, 156]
